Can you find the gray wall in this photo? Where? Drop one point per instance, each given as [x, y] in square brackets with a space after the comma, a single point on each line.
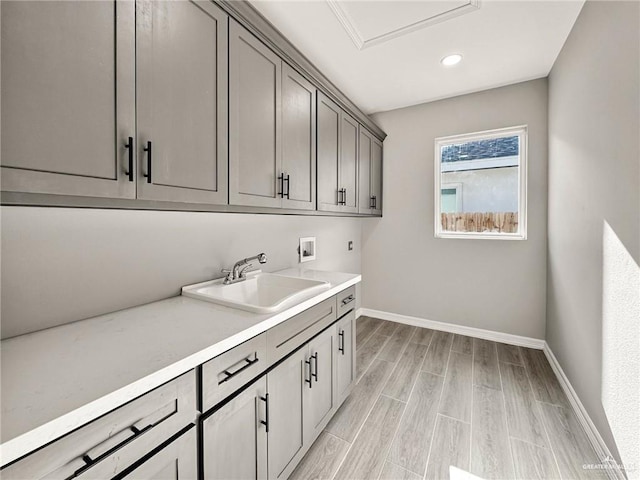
[594, 180]
[61, 265]
[492, 284]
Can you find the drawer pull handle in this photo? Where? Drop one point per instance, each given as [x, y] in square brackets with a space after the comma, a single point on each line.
[248, 362]
[341, 341]
[116, 441]
[347, 300]
[110, 444]
[310, 379]
[155, 418]
[265, 422]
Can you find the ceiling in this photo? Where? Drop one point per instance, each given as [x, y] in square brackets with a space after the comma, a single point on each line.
[386, 54]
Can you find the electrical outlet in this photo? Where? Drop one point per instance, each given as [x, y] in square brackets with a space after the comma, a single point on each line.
[350, 245]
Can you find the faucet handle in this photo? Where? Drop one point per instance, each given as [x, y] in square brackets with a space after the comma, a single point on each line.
[244, 269]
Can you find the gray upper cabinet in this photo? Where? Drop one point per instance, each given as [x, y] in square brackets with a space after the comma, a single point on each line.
[337, 158]
[254, 120]
[370, 174]
[172, 101]
[348, 178]
[328, 153]
[298, 181]
[181, 55]
[376, 176]
[68, 91]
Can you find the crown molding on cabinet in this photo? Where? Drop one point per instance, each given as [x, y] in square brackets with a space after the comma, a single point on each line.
[258, 25]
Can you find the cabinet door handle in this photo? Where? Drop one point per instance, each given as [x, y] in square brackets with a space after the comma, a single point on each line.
[341, 341]
[315, 366]
[281, 181]
[247, 362]
[347, 300]
[375, 202]
[342, 196]
[129, 146]
[265, 422]
[288, 185]
[310, 379]
[372, 200]
[148, 150]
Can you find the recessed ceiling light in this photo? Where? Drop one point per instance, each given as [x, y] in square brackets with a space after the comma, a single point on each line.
[450, 60]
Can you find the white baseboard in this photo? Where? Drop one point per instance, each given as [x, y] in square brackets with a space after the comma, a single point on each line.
[587, 424]
[452, 328]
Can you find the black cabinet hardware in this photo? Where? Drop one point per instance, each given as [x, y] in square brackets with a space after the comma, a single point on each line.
[375, 202]
[129, 146]
[148, 150]
[315, 366]
[342, 196]
[310, 379]
[230, 375]
[281, 180]
[348, 300]
[341, 341]
[265, 422]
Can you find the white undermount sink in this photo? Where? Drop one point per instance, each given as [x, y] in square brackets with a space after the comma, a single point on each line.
[259, 293]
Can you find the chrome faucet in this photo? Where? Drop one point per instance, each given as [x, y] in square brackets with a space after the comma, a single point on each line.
[239, 270]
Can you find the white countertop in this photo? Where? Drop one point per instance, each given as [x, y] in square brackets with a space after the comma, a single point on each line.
[58, 379]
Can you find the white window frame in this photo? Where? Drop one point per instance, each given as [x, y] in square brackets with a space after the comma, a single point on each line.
[521, 132]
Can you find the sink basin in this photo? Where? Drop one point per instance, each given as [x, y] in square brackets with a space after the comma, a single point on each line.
[259, 293]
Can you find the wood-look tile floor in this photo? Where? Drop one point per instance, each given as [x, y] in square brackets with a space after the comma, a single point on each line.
[434, 405]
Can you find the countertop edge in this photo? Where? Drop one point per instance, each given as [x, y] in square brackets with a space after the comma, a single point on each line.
[27, 442]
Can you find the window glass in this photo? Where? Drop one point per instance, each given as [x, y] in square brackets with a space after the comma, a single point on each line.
[481, 182]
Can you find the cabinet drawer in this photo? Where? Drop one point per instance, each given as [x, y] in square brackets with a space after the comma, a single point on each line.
[227, 372]
[287, 336]
[116, 440]
[346, 300]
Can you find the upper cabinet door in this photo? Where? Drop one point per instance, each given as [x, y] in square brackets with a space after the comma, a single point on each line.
[365, 201]
[348, 177]
[298, 182]
[68, 91]
[254, 120]
[376, 176]
[328, 153]
[182, 101]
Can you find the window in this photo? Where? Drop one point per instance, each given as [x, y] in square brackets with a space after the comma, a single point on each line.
[480, 185]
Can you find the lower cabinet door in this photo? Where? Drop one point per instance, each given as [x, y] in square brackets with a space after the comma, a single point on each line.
[286, 384]
[345, 356]
[318, 400]
[176, 461]
[235, 439]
